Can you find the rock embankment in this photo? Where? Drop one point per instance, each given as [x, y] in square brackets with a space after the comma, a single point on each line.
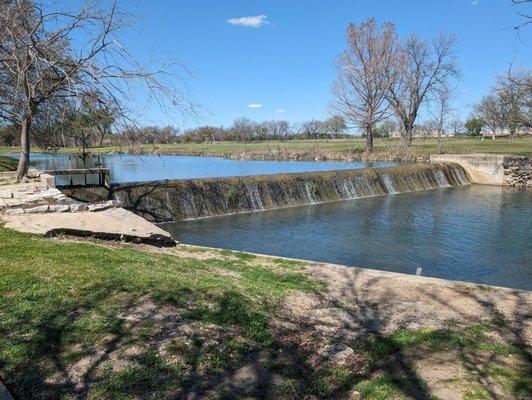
[36, 198]
[36, 208]
[517, 171]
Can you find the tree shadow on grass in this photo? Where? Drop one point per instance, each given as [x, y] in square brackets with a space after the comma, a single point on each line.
[224, 346]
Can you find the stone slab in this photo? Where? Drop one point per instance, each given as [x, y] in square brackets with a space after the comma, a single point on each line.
[111, 224]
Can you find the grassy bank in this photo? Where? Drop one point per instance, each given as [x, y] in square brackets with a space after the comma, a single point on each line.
[7, 164]
[325, 149]
[87, 320]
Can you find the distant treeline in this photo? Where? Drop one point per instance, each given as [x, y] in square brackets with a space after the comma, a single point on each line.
[97, 130]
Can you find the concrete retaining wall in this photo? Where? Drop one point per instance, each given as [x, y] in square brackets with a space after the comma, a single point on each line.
[491, 169]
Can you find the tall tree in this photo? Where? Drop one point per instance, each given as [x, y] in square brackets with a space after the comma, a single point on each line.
[442, 109]
[362, 75]
[49, 53]
[514, 92]
[419, 70]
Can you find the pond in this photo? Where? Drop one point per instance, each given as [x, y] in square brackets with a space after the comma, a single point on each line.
[472, 233]
[139, 168]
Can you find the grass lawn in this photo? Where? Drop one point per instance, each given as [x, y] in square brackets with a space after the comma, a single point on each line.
[7, 164]
[87, 320]
[341, 148]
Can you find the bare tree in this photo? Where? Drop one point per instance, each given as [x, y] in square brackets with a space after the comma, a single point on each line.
[244, 128]
[489, 109]
[514, 92]
[420, 69]
[312, 129]
[277, 129]
[48, 53]
[362, 75]
[335, 125]
[457, 126]
[442, 109]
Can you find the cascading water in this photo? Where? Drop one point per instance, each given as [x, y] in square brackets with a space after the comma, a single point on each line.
[388, 184]
[255, 199]
[442, 180]
[200, 198]
[310, 189]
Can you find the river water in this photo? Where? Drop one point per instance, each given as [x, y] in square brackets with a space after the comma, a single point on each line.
[139, 168]
[472, 233]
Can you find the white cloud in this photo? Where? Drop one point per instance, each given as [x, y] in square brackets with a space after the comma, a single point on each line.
[280, 111]
[474, 2]
[255, 22]
[254, 105]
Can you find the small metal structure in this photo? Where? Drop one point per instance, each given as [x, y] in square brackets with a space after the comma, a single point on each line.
[103, 176]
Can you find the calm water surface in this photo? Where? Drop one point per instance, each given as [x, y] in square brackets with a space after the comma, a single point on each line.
[474, 233]
[134, 168]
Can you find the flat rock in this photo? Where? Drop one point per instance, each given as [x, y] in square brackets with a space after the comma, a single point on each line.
[14, 211]
[6, 194]
[59, 208]
[96, 207]
[111, 224]
[78, 207]
[37, 210]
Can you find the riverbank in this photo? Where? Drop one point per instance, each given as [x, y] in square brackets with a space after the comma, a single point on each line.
[322, 150]
[98, 320]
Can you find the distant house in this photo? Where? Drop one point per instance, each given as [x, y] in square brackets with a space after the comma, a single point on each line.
[421, 133]
[500, 133]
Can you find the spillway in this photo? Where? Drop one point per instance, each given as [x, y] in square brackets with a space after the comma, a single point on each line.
[177, 200]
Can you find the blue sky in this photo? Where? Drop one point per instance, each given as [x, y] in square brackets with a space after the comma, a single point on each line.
[286, 64]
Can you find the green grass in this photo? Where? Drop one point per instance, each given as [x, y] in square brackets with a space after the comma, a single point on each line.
[7, 164]
[470, 343]
[177, 323]
[57, 300]
[340, 148]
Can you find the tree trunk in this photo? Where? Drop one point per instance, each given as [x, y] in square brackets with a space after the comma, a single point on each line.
[409, 131]
[439, 141]
[24, 160]
[369, 139]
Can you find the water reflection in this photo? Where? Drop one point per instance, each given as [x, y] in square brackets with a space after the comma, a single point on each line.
[473, 233]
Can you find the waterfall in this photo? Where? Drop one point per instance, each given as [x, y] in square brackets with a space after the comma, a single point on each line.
[388, 184]
[310, 193]
[256, 201]
[200, 198]
[442, 180]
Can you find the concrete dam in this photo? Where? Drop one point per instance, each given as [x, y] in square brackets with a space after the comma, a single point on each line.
[178, 200]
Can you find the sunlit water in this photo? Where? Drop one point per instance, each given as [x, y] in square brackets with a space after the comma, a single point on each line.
[474, 233]
[135, 168]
